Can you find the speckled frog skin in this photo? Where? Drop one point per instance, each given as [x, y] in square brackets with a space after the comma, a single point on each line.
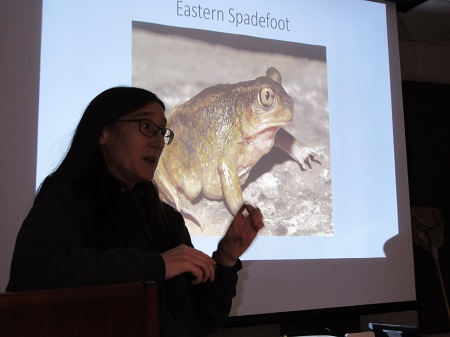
[220, 134]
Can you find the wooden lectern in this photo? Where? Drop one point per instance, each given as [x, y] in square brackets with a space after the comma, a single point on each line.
[116, 310]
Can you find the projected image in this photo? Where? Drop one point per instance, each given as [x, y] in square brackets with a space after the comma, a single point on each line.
[250, 118]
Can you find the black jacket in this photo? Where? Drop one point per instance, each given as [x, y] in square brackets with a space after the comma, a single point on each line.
[100, 232]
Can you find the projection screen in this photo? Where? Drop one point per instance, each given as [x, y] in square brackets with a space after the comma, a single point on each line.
[336, 207]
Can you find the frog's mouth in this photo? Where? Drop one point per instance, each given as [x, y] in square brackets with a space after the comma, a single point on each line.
[269, 130]
[265, 137]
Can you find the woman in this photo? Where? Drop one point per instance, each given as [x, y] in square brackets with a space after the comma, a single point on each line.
[98, 219]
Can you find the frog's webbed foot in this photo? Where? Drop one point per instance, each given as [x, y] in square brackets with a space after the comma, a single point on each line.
[312, 157]
[187, 210]
[302, 153]
[305, 155]
[169, 194]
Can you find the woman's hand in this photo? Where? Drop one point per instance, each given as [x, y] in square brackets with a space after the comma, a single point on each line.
[183, 259]
[239, 236]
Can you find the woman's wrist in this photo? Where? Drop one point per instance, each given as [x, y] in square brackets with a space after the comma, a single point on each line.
[224, 260]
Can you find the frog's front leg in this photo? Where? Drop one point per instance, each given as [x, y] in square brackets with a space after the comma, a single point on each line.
[302, 153]
[230, 184]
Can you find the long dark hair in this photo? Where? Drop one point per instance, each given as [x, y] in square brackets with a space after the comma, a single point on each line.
[84, 156]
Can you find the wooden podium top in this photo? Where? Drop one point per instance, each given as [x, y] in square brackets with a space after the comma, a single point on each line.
[125, 310]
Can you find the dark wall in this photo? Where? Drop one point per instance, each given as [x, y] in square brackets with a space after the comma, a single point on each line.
[427, 129]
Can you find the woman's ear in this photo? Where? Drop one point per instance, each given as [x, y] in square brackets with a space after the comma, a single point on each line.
[104, 135]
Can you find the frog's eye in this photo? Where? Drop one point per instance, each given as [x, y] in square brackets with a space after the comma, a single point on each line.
[266, 97]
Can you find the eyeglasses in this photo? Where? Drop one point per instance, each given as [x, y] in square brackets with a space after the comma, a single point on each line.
[150, 129]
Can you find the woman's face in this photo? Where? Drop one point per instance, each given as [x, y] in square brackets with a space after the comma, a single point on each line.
[131, 156]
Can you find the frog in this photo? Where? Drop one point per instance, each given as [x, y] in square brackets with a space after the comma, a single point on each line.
[220, 134]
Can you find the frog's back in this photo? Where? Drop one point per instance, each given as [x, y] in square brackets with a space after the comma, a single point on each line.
[220, 107]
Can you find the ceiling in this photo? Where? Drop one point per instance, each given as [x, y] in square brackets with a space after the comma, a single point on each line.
[424, 21]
